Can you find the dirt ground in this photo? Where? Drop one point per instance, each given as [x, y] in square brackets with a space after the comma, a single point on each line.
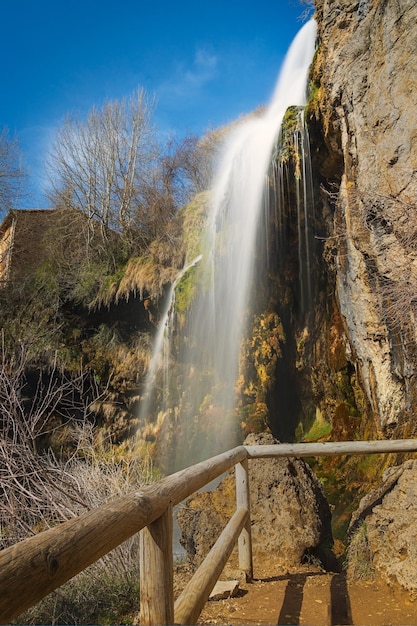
[312, 597]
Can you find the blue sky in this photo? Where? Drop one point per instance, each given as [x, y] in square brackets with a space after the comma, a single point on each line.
[205, 62]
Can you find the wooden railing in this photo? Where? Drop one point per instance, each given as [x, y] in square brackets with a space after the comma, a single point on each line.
[36, 566]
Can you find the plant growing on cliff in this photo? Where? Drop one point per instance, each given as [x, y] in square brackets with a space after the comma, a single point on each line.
[309, 7]
[288, 144]
[259, 356]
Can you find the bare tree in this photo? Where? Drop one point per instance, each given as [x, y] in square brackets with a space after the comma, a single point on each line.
[187, 165]
[310, 6]
[102, 165]
[12, 173]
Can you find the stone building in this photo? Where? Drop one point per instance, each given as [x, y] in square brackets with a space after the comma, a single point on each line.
[22, 241]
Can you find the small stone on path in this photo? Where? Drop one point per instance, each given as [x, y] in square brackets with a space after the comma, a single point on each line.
[224, 589]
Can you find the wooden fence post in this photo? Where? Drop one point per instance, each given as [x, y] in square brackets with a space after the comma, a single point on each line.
[245, 537]
[156, 572]
[193, 598]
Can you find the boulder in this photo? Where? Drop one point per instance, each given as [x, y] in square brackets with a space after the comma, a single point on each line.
[387, 517]
[289, 513]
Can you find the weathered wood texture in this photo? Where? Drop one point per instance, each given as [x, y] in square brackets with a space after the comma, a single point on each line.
[36, 566]
[192, 600]
[156, 572]
[245, 537]
[330, 448]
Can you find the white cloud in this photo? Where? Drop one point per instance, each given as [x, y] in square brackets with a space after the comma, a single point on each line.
[187, 82]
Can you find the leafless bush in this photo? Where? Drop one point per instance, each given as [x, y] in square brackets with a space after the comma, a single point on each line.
[108, 591]
[395, 218]
[45, 484]
[36, 489]
[52, 468]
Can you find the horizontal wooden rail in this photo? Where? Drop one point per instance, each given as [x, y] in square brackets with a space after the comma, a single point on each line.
[331, 448]
[33, 568]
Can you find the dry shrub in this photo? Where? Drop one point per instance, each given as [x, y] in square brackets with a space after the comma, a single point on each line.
[41, 487]
[108, 591]
[359, 557]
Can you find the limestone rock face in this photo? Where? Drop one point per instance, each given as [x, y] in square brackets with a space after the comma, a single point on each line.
[390, 515]
[367, 70]
[290, 515]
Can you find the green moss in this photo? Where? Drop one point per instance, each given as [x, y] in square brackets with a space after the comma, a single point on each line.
[287, 147]
[110, 281]
[320, 429]
[371, 466]
[186, 289]
[315, 91]
[315, 95]
[299, 432]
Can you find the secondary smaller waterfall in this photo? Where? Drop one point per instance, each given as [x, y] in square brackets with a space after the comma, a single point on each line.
[160, 351]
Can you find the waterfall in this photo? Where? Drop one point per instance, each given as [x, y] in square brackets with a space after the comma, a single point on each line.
[296, 147]
[161, 346]
[199, 415]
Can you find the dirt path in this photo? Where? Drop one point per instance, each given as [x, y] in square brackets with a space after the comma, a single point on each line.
[312, 597]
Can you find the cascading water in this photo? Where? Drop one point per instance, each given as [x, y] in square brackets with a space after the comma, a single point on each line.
[161, 346]
[199, 415]
[296, 149]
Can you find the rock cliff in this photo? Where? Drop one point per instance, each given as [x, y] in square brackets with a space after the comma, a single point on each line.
[365, 75]
[384, 528]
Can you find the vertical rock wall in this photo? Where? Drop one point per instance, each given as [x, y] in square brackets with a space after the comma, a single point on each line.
[365, 75]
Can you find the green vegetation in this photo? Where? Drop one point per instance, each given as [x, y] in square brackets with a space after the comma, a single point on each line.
[319, 430]
[193, 220]
[185, 290]
[315, 92]
[288, 144]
